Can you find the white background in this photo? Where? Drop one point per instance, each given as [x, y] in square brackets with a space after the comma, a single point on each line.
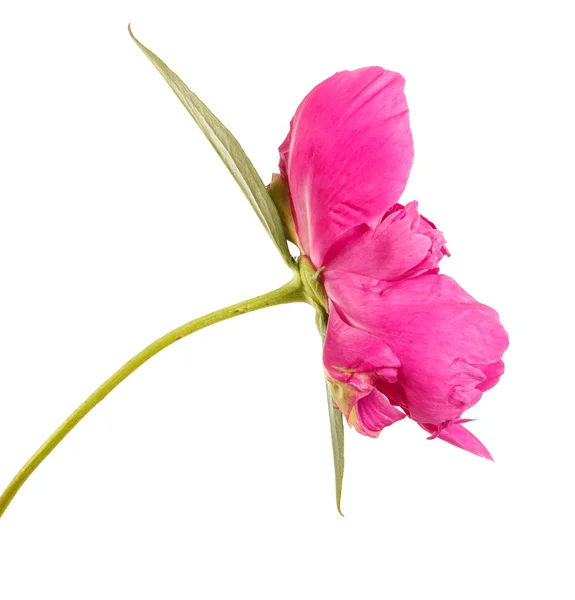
[208, 473]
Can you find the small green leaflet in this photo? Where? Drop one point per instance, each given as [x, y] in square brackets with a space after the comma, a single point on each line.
[230, 151]
[335, 426]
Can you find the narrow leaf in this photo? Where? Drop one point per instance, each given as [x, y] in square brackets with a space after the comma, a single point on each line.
[229, 150]
[336, 428]
[335, 424]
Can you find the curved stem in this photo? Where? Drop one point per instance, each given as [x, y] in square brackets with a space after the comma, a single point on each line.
[291, 292]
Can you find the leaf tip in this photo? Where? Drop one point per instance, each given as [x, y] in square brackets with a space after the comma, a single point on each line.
[132, 34]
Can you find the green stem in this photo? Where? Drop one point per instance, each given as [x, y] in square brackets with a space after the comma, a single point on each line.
[291, 292]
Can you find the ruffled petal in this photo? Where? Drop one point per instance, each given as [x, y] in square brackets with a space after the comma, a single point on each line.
[492, 374]
[357, 297]
[402, 245]
[347, 156]
[449, 345]
[459, 436]
[354, 362]
[354, 356]
[372, 413]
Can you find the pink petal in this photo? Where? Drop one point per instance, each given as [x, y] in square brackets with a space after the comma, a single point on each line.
[354, 360]
[458, 436]
[401, 245]
[358, 298]
[492, 373]
[354, 356]
[374, 412]
[449, 345]
[347, 156]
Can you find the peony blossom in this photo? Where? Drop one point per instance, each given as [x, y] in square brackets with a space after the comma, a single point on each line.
[401, 340]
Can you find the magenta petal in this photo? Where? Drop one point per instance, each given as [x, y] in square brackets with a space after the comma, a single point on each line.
[492, 373]
[357, 297]
[374, 412]
[355, 361]
[354, 356]
[347, 156]
[458, 436]
[402, 245]
[449, 345]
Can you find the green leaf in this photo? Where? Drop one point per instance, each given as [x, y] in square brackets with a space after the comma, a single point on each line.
[230, 151]
[337, 445]
[335, 424]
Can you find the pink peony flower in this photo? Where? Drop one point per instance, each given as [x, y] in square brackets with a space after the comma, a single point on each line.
[401, 339]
